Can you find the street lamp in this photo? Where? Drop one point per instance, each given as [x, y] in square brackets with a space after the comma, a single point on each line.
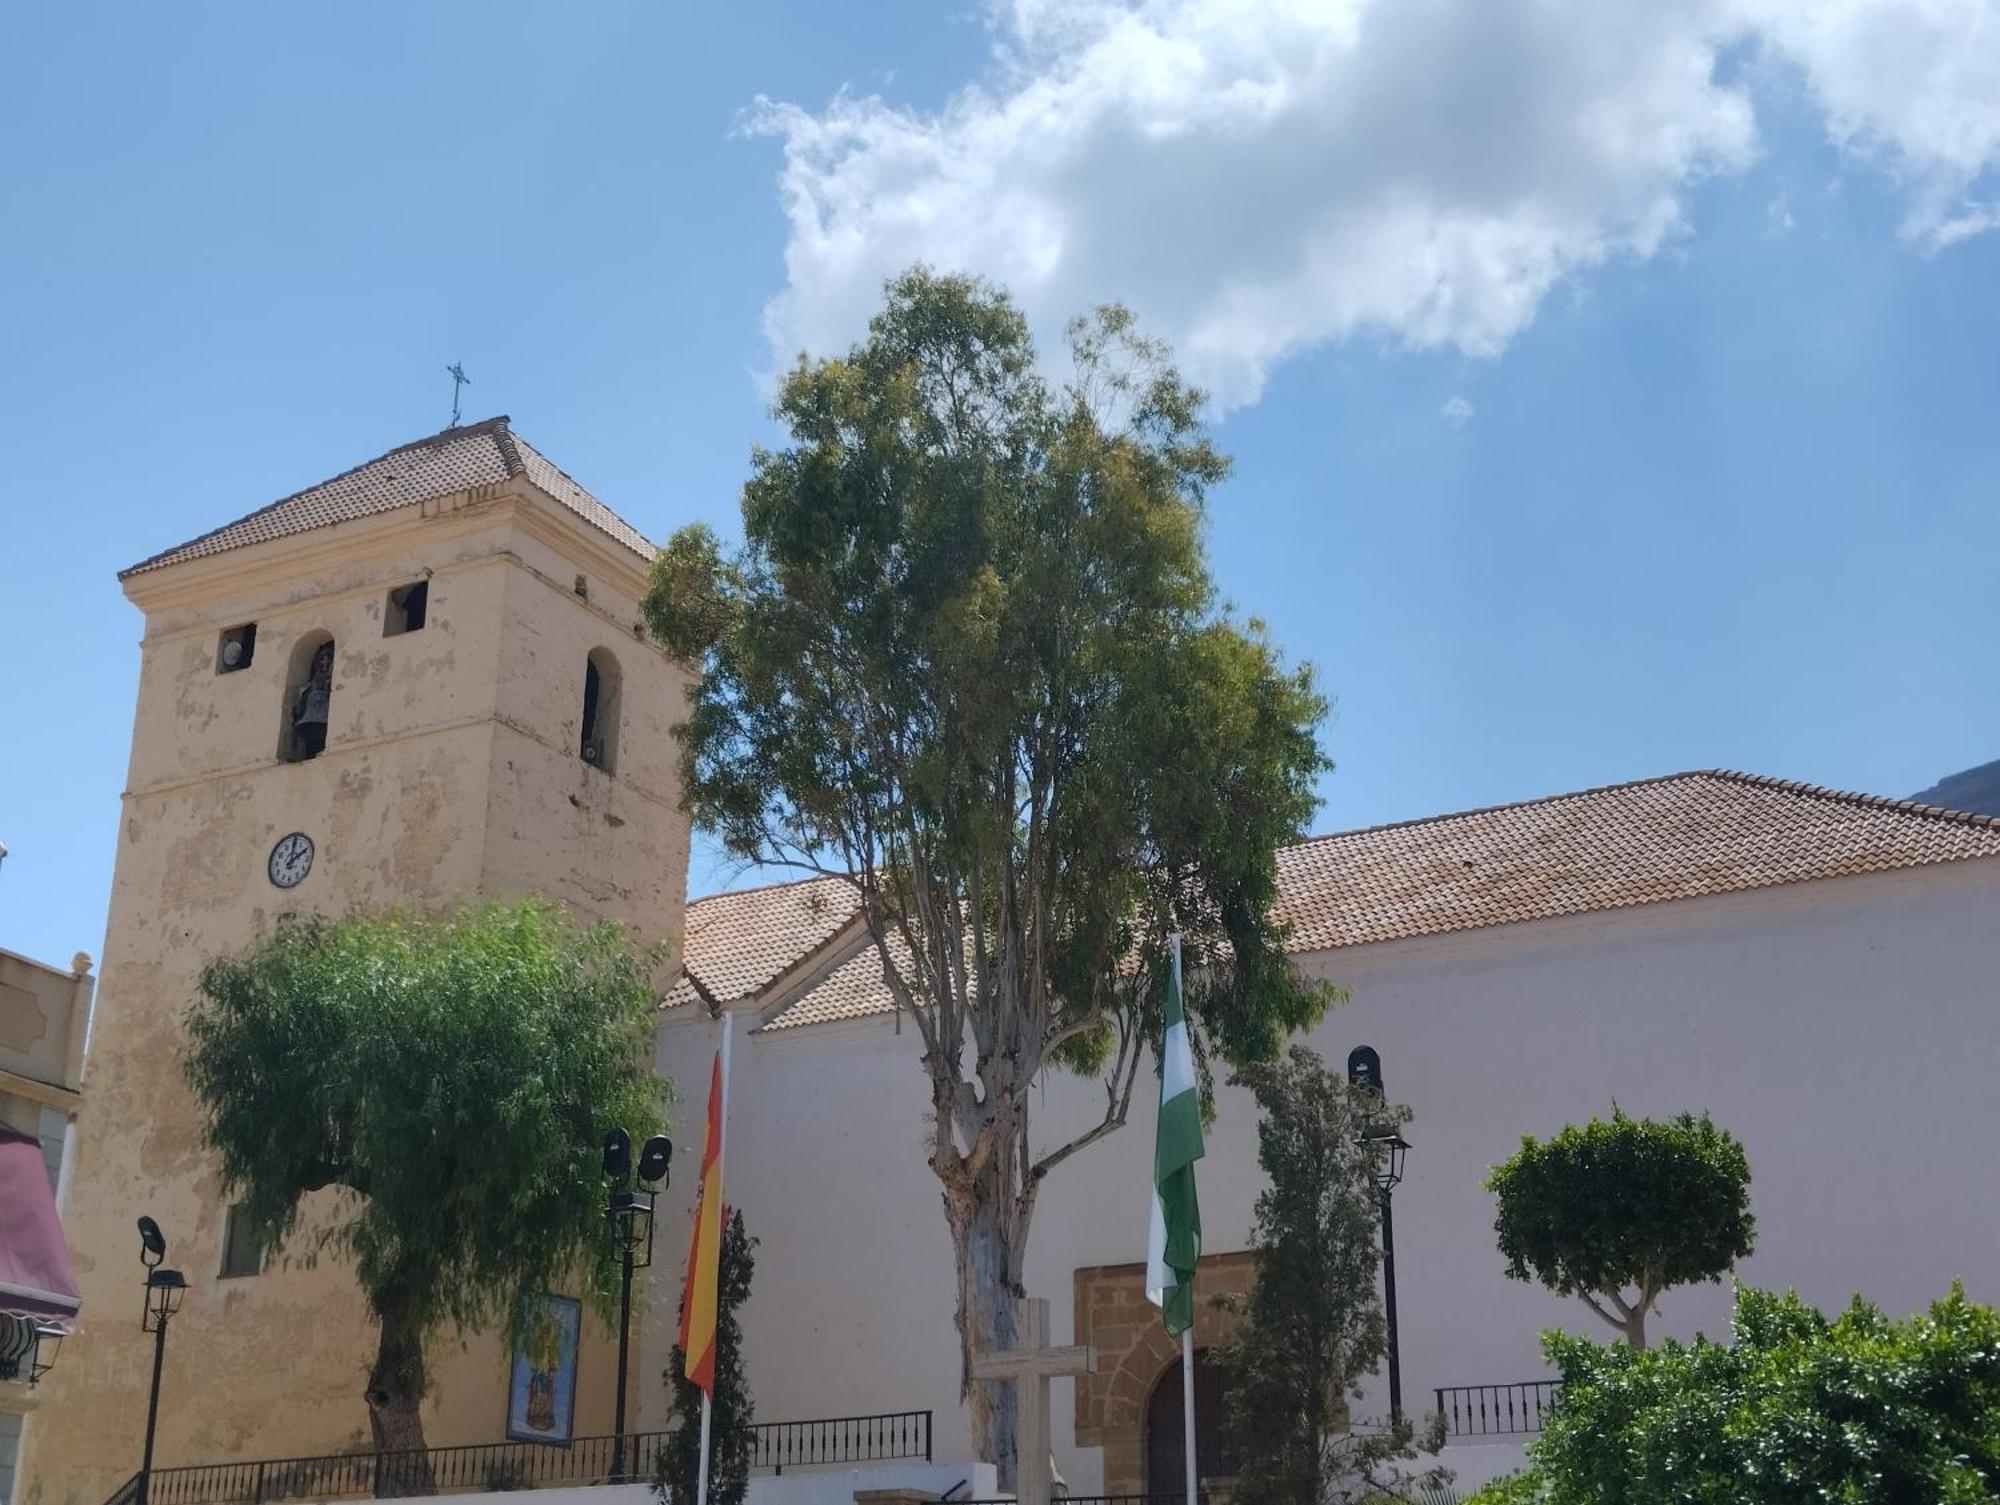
[630, 1213]
[164, 1291]
[1364, 1070]
[27, 1346]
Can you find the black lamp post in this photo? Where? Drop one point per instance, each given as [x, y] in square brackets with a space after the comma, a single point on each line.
[1364, 1070]
[630, 1213]
[164, 1290]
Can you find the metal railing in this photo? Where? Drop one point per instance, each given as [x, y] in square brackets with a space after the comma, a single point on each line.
[456, 1470]
[781, 1445]
[777, 1445]
[1179, 1499]
[1497, 1410]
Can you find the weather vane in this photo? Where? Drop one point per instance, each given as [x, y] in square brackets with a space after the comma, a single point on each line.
[459, 380]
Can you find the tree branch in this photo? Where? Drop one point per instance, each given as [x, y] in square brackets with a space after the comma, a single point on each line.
[1591, 1302]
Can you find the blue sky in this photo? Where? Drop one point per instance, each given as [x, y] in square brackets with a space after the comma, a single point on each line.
[1573, 445]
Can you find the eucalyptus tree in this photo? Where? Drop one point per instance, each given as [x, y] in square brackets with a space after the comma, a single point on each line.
[452, 1077]
[970, 657]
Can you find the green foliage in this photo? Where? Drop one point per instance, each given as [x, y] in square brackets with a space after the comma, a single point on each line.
[1633, 1203]
[732, 1428]
[1313, 1326]
[971, 644]
[454, 1077]
[970, 655]
[1797, 1410]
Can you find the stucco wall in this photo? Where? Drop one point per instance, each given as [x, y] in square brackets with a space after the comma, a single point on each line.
[1846, 1030]
[450, 770]
[44, 1016]
[44, 1012]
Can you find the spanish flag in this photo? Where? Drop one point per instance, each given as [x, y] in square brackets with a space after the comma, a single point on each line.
[704, 1266]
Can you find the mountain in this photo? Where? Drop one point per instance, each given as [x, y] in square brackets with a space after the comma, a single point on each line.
[1976, 789]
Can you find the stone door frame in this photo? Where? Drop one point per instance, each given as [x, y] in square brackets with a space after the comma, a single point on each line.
[1114, 1317]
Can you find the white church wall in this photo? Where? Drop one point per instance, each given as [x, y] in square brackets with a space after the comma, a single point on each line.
[1846, 1030]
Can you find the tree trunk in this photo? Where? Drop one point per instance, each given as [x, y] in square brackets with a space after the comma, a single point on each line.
[987, 1245]
[395, 1407]
[1635, 1328]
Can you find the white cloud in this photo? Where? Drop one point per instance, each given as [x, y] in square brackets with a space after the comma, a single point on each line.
[1457, 411]
[1257, 177]
[1913, 85]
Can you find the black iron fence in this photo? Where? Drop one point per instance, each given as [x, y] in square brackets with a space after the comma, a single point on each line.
[1179, 1499]
[778, 1445]
[842, 1439]
[1497, 1410]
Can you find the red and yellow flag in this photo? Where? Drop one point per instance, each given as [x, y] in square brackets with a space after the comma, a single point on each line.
[704, 1266]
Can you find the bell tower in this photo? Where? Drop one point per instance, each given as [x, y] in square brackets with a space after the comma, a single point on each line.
[420, 681]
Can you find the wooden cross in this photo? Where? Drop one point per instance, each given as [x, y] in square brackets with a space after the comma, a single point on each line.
[1031, 1366]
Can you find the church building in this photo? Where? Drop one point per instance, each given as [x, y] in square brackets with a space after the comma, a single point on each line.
[420, 681]
[1816, 968]
[425, 680]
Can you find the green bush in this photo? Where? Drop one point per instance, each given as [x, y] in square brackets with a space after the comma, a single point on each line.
[1797, 1410]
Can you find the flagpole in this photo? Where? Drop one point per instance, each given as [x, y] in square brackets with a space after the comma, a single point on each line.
[721, 1155]
[1187, 1408]
[1187, 1335]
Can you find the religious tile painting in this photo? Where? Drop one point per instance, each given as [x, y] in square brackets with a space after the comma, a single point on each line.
[541, 1391]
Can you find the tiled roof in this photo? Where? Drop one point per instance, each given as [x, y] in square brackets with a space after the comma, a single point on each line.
[739, 943]
[1677, 837]
[852, 990]
[444, 464]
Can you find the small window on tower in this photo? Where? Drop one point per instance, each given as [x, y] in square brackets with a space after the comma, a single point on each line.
[599, 742]
[405, 610]
[245, 1242]
[235, 649]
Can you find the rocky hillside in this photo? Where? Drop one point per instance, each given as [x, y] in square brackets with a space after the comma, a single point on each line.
[1974, 789]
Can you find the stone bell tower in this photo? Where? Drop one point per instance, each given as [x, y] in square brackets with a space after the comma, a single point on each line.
[420, 681]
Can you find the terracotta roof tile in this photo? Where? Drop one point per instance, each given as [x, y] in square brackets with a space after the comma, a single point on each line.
[852, 990]
[740, 943]
[1677, 837]
[443, 464]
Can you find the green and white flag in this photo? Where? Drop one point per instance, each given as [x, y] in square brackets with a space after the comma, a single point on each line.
[1174, 1242]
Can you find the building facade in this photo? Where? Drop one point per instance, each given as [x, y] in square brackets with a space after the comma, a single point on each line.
[425, 680]
[44, 1019]
[419, 682]
[1816, 969]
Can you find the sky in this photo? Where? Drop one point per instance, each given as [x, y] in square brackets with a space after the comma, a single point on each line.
[1611, 383]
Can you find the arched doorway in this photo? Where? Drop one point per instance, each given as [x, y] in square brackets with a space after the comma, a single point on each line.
[1166, 1457]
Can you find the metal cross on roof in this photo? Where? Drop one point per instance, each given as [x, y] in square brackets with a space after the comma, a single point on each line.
[458, 380]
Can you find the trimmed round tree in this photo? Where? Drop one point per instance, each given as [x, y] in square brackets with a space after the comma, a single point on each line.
[456, 1075]
[1617, 1212]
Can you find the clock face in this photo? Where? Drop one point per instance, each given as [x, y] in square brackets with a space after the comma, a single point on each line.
[291, 860]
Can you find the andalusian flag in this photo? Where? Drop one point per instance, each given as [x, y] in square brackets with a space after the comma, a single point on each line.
[704, 1267]
[1175, 1240]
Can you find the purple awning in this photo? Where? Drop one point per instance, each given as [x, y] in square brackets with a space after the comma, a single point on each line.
[36, 1280]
